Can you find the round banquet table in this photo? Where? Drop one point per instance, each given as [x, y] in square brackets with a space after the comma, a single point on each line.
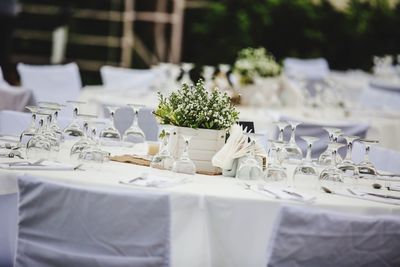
[215, 221]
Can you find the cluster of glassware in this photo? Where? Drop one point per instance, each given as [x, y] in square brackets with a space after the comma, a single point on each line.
[43, 138]
[329, 169]
[385, 68]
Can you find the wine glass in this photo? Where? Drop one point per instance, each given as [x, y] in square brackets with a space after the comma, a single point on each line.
[293, 152]
[366, 166]
[134, 134]
[29, 132]
[249, 168]
[163, 159]
[347, 163]
[281, 127]
[74, 129]
[331, 176]
[39, 146]
[92, 155]
[274, 171]
[184, 164]
[307, 170]
[326, 157]
[187, 67]
[84, 140]
[110, 133]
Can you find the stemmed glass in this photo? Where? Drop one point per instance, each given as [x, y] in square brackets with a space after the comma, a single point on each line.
[84, 140]
[249, 168]
[163, 159]
[187, 67]
[110, 133]
[307, 169]
[134, 134]
[93, 154]
[275, 171]
[281, 127]
[31, 130]
[326, 157]
[184, 164]
[208, 74]
[74, 129]
[39, 146]
[347, 163]
[331, 176]
[293, 152]
[366, 166]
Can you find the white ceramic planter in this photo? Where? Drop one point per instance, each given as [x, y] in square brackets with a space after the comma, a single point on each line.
[202, 147]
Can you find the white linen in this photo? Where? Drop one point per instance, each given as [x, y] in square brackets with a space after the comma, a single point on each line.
[74, 235]
[150, 180]
[310, 69]
[380, 99]
[124, 78]
[15, 98]
[8, 228]
[214, 221]
[314, 238]
[54, 83]
[42, 166]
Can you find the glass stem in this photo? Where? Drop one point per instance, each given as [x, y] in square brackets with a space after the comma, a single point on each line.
[75, 114]
[292, 136]
[33, 122]
[185, 153]
[135, 118]
[349, 151]
[280, 138]
[367, 149]
[112, 118]
[308, 156]
[333, 161]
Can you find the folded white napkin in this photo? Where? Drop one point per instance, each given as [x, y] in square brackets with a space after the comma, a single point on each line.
[282, 193]
[42, 166]
[158, 181]
[359, 194]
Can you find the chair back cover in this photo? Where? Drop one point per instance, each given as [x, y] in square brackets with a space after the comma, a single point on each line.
[124, 78]
[69, 225]
[54, 83]
[383, 159]
[315, 238]
[309, 69]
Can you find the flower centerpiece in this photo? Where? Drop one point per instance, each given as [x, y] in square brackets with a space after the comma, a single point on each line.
[253, 62]
[257, 72]
[204, 115]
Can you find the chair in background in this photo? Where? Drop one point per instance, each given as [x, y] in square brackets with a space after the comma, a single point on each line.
[383, 159]
[146, 120]
[308, 69]
[54, 83]
[314, 238]
[14, 122]
[124, 78]
[69, 225]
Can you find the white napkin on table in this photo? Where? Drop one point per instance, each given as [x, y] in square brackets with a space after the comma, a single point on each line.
[42, 166]
[282, 193]
[359, 195]
[153, 180]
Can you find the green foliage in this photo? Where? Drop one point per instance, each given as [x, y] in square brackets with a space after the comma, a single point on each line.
[293, 28]
[194, 107]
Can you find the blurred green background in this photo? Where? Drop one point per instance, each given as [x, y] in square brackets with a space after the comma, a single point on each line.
[347, 37]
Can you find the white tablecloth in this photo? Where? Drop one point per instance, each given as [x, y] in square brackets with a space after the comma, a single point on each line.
[215, 221]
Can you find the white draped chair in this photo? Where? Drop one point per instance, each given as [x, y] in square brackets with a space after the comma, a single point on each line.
[131, 79]
[309, 69]
[54, 83]
[308, 128]
[305, 237]
[384, 159]
[69, 225]
[14, 122]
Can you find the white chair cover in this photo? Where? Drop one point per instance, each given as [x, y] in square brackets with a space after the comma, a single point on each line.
[310, 69]
[54, 83]
[14, 122]
[8, 228]
[147, 121]
[314, 129]
[123, 78]
[315, 238]
[13, 98]
[64, 226]
[384, 159]
[379, 98]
